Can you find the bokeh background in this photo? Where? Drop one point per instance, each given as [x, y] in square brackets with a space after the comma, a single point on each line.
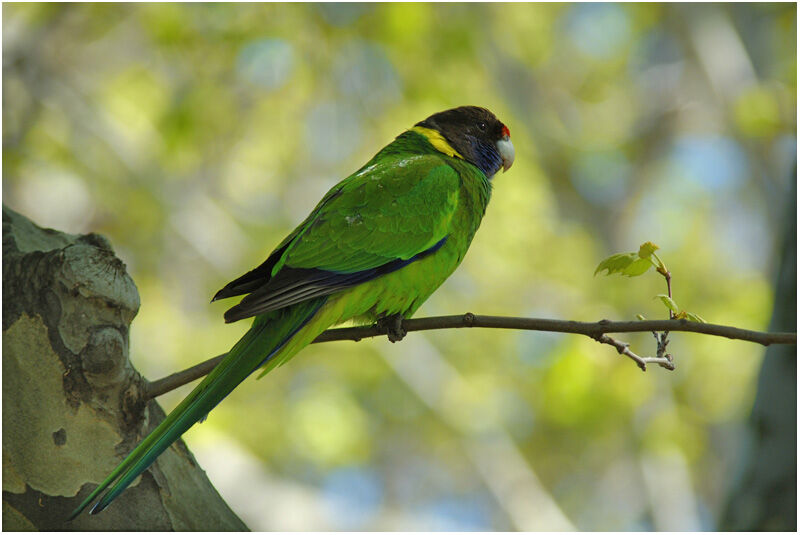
[196, 136]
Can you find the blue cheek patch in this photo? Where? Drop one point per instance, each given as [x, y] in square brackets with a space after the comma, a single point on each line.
[486, 155]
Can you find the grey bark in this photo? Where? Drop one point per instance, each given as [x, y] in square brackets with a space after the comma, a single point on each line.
[765, 497]
[73, 403]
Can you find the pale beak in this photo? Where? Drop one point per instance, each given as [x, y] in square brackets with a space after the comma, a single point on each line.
[506, 149]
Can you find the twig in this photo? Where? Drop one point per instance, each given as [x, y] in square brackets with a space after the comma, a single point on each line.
[662, 269]
[178, 379]
[594, 330]
[668, 278]
[623, 348]
[661, 348]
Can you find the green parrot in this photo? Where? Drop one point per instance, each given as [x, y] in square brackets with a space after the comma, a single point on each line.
[374, 249]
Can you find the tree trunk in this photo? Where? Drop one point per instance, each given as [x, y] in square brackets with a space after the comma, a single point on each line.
[72, 401]
[765, 498]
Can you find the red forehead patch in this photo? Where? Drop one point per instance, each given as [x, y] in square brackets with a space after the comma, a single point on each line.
[506, 133]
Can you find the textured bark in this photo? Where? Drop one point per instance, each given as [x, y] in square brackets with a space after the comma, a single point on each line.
[765, 498]
[72, 402]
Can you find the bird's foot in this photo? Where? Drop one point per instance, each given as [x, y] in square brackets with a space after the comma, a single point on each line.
[393, 325]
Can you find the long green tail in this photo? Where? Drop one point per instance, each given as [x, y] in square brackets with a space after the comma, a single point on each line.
[266, 336]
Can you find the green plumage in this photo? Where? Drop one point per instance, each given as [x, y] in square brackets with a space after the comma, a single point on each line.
[378, 244]
[400, 204]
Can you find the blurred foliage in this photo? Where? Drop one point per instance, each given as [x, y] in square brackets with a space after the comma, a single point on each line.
[195, 136]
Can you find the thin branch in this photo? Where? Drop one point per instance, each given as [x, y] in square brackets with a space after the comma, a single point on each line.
[178, 379]
[662, 269]
[668, 277]
[562, 326]
[623, 348]
[594, 330]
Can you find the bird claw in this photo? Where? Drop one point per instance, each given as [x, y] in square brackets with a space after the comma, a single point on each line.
[393, 325]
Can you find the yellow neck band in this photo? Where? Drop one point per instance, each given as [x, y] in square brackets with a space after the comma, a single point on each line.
[437, 140]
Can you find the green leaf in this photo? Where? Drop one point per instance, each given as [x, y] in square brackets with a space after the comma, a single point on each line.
[616, 263]
[637, 267]
[630, 264]
[669, 303]
[694, 317]
[640, 317]
[647, 249]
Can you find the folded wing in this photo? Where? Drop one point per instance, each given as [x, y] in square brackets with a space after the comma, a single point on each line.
[375, 222]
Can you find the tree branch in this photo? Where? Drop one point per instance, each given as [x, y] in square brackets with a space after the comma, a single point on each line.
[595, 330]
[623, 348]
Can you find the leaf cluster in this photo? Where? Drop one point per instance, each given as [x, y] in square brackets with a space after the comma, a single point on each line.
[638, 263]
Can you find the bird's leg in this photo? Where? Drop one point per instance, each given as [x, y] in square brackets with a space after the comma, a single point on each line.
[393, 325]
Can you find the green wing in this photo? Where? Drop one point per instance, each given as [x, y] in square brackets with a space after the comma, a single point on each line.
[388, 214]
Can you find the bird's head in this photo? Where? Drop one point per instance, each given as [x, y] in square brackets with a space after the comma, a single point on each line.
[476, 135]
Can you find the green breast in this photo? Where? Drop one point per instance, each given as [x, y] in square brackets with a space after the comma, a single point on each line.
[403, 291]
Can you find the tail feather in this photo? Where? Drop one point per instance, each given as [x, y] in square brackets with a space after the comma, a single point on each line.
[267, 335]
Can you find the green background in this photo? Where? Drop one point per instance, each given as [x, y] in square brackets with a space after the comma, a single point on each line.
[196, 136]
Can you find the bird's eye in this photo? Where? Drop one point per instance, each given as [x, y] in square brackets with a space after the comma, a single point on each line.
[482, 127]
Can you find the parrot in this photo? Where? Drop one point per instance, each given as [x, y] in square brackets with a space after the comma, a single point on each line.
[376, 246]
